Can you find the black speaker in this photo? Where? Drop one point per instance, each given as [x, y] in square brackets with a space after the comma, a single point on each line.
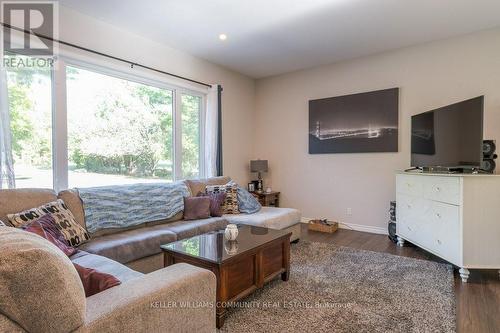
[391, 228]
[392, 232]
[489, 147]
[488, 164]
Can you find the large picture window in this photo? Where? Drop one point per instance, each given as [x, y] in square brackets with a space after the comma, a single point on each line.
[118, 131]
[30, 110]
[112, 128]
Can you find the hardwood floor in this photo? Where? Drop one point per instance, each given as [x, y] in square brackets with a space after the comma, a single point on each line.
[478, 300]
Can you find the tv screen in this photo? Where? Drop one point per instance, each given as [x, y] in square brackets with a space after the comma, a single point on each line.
[451, 136]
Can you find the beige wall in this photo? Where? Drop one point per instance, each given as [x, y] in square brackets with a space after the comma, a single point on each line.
[429, 76]
[238, 96]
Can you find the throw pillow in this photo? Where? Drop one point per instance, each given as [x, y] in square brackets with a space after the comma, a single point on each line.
[24, 217]
[94, 281]
[216, 201]
[74, 234]
[247, 202]
[45, 226]
[196, 208]
[230, 205]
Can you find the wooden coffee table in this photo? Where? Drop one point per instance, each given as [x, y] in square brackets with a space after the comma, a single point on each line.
[257, 256]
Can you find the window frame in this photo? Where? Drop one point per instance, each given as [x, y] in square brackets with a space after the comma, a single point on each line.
[60, 115]
[201, 128]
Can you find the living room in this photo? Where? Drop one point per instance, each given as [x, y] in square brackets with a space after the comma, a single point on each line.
[192, 163]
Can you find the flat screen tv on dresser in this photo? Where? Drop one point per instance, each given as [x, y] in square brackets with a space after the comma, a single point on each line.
[449, 137]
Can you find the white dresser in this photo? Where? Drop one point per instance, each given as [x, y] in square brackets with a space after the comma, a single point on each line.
[454, 216]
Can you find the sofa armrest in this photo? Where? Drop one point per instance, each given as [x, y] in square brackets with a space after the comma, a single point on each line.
[178, 298]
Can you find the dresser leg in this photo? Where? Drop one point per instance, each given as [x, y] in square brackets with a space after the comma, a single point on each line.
[401, 242]
[464, 274]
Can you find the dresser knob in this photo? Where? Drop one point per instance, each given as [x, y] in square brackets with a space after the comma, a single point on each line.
[438, 189]
[438, 215]
[439, 242]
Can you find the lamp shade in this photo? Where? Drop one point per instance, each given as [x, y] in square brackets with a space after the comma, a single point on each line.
[258, 166]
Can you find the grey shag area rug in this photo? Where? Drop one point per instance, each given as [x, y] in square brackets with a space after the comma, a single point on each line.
[340, 289]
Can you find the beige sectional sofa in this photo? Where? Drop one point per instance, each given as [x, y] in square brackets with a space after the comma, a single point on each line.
[40, 291]
[130, 253]
[139, 248]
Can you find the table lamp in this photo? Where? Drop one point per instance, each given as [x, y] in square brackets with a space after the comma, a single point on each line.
[259, 166]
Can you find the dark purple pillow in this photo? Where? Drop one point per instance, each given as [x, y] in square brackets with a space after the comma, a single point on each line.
[216, 201]
[196, 208]
[94, 281]
[46, 227]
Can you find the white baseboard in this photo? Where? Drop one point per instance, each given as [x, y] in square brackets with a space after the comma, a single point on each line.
[356, 227]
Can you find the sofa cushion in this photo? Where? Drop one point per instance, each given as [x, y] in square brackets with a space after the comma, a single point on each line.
[39, 288]
[72, 199]
[105, 265]
[176, 217]
[199, 185]
[186, 229]
[104, 232]
[269, 217]
[130, 245]
[17, 200]
[196, 208]
[147, 264]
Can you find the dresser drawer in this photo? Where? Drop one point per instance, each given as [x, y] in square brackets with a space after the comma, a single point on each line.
[411, 207]
[444, 239]
[430, 224]
[411, 216]
[443, 189]
[409, 184]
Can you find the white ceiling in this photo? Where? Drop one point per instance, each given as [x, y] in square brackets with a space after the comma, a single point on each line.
[269, 37]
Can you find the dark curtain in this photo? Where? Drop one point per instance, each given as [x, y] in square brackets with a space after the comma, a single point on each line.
[219, 132]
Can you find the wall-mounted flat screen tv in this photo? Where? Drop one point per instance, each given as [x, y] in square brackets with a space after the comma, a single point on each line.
[450, 136]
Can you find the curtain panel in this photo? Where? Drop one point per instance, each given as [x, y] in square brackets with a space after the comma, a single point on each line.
[219, 132]
[213, 136]
[7, 178]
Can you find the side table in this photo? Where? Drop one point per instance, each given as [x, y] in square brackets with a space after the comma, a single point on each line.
[268, 199]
